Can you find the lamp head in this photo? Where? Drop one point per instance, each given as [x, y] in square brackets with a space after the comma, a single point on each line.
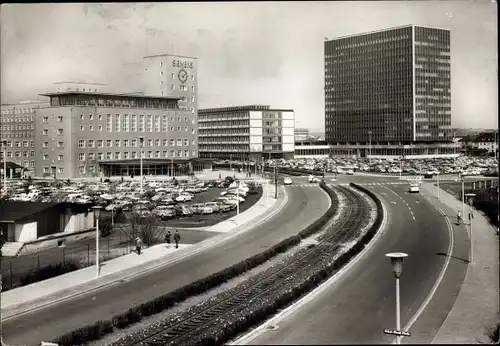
[97, 211]
[397, 262]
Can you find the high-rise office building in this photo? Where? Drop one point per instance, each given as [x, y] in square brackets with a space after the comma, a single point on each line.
[388, 93]
[246, 133]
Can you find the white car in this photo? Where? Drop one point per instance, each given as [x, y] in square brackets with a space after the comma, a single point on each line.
[414, 188]
[287, 181]
[313, 179]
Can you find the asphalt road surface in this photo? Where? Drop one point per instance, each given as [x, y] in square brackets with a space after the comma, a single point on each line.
[361, 304]
[305, 205]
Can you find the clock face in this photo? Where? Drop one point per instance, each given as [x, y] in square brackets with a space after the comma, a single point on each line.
[183, 75]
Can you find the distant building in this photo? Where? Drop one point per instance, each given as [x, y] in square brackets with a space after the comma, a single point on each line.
[388, 93]
[89, 134]
[487, 141]
[80, 86]
[17, 125]
[312, 150]
[301, 134]
[244, 133]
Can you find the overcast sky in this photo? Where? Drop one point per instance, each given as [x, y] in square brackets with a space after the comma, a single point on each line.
[249, 53]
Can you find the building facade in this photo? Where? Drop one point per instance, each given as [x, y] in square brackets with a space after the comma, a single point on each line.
[391, 89]
[17, 125]
[301, 134]
[246, 133]
[487, 141]
[88, 134]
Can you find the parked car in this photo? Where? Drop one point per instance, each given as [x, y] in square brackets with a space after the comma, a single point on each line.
[202, 209]
[287, 181]
[215, 207]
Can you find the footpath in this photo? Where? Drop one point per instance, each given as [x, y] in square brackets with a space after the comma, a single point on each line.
[477, 305]
[37, 295]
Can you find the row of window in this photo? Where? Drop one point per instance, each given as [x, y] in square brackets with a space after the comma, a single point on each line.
[17, 127]
[91, 143]
[19, 153]
[15, 120]
[18, 135]
[132, 155]
[172, 75]
[17, 144]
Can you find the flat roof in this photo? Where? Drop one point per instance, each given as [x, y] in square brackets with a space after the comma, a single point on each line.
[243, 108]
[127, 95]
[87, 83]
[154, 161]
[382, 30]
[179, 56]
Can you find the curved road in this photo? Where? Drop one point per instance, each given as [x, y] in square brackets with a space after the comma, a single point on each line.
[358, 306]
[306, 204]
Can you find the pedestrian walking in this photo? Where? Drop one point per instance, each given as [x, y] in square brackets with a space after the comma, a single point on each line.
[138, 245]
[168, 238]
[177, 237]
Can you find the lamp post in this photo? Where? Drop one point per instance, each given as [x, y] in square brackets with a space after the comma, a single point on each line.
[438, 183]
[370, 149]
[141, 144]
[4, 147]
[97, 214]
[238, 198]
[276, 179]
[397, 268]
[461, 177]
[470, 200]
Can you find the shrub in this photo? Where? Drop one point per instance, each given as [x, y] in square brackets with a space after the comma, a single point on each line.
[84, 335]
[49, 272]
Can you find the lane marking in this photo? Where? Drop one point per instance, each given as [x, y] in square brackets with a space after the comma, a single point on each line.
[440, 277]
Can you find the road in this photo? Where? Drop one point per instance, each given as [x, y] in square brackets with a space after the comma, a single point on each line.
[358, 306]
[48, 323]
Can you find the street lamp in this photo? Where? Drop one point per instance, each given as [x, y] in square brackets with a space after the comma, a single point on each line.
[97, 214]
[4, 146]
[141, 145]
[397, 268]
[370, 150]
[438, 183]
[238, 198]
[470, 200]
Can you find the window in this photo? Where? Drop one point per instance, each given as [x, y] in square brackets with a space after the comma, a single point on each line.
[185, 118]
[81, 143]
[125, 142]
[45, 156]
[45, 169]
[141, 123]
[108, 155]
[165, 142]
[134, 123]
[99, 127]
[109, 143]
[172, 153]
[117, 122]
[179, 142]
[173, 86]
[26, 153]
[91, 127]
[9, 154]
[25, 144]
[186, 142]
[185, 128]
[150, 154]
[134, 143]
[193, 152]
[91, 143]
[161, 63]
[182, 87]
[81, 156]
[171, 128]
[18, 154]
[179, 153]
[161, 73]
[81, 169]
[172, 75]
[59, 131]
[157, 154]
[45, 119]
[60, 157]
[150, 142]
[149, 123]
[59, 119]
[92, 156]
[134, 155]
[125, 155]
[157, 142]
[117, 143]
[32, 163]
[186, 153]
[100, 156]
[157, 123]
[192, 98]
[172, 142]
[82, 128]
[109, 123]
[192, 87]
[32, 144]
[60, 144]
[125, 123]
[45, 132]
[165, 153]
[59, 169]
[100, 143]
[99, 117]
[178, 128]
[81, 116]
[91, 117]
[192, 77]
[164, 123]
[117, 155]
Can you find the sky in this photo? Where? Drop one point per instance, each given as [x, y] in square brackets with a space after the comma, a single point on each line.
[248, 52]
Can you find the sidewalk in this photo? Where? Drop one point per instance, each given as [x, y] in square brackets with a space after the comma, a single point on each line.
[477, 305]
[34, 296]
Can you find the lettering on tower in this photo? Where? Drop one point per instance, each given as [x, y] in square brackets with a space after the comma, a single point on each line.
[182, 64]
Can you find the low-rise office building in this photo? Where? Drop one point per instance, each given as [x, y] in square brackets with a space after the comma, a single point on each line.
[246, 133]
[17, 132]
[487, 141]
[89, 134]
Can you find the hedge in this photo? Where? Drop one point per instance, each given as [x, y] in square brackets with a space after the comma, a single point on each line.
[200, 286]
[49, 272]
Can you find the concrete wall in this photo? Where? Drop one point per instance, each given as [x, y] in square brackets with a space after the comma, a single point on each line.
[26, 232]
[78, 222]
[51, 242]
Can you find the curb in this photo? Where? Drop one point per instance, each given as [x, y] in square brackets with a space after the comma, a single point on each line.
[274, 321]
[150, 266]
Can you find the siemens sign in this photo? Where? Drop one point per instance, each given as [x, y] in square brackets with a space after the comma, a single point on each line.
[182, 64]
